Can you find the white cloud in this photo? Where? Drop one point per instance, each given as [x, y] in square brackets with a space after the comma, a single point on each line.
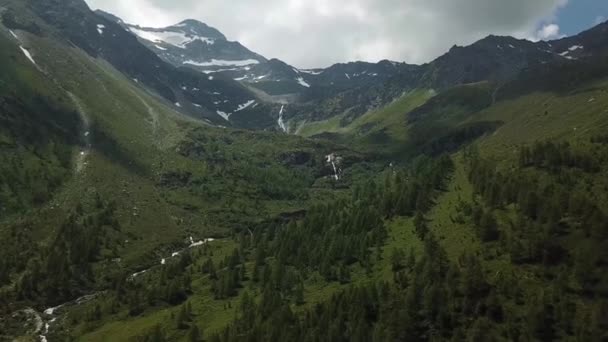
[317, 33]
[547, 32]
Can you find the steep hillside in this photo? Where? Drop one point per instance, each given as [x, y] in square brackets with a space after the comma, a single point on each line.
[190, 92]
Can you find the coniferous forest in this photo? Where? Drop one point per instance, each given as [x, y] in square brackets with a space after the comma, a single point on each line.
[169, 184]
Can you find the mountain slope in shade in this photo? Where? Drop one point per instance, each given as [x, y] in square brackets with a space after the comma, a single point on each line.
[198, 95]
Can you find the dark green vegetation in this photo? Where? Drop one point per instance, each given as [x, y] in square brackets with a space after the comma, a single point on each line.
[35, 135]
[476, 212]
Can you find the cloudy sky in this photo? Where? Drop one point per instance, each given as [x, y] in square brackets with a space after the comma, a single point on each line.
[318, 33]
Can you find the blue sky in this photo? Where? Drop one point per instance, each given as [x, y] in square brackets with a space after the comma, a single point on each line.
[579, 15]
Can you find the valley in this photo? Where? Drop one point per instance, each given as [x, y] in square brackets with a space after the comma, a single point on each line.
[169, 184]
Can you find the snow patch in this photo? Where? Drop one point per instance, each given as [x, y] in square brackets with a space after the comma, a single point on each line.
[197, 105]
[224, 115]
[160, 47]
[221, 62]
[244, 106]
[210, 78]
[13, 34]
[347, 76]
[28, 55]
[177, 104]
[571, 49]
[302, 82]
[179, 39]
[100, 28]
[222, 70]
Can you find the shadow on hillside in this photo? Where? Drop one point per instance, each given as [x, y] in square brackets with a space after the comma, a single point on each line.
[112, 150]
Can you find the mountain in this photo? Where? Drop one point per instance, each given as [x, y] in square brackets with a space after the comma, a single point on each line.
[494, 58]
[193, 44]
[342, 90]
[198, 95]
[463, 199]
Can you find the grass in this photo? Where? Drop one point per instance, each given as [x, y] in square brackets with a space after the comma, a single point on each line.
[401, 235]
[575, 116]
[456, 238]
[390, 117]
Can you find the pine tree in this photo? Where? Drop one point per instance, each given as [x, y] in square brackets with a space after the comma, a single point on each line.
[299, 294]
[156, 335]
[182, 318]
[194, 334]
[420, 225]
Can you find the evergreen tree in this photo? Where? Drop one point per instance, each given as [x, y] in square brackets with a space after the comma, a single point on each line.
[194, 334]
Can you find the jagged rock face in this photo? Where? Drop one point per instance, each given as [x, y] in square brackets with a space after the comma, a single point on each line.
[196, 45]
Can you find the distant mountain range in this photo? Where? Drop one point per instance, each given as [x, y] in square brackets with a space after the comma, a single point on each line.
[352, 88]
[201, 73]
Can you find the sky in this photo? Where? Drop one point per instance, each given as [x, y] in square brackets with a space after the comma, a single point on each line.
[318, 33]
